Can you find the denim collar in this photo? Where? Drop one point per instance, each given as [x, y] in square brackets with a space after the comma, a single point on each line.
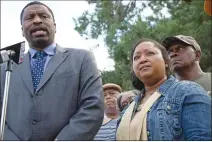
[162, 89]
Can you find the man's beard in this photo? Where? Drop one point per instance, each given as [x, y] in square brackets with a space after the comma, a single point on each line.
[41, 43]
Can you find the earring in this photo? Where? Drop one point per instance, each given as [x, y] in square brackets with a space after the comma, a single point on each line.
[166, 65]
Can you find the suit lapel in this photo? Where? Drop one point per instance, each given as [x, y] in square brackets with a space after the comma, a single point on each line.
[25, 72]
[54, 62]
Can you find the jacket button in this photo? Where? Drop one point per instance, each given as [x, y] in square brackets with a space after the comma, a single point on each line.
[169, 107]
[148, 133]
[34, 122]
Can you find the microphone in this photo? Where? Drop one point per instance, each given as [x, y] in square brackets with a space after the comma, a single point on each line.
[14, 52]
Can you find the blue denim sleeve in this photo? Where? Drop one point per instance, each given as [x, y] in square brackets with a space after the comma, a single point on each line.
[196, 114]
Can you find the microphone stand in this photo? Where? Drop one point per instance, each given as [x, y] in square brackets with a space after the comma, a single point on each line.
[14, 53]
[6, 92]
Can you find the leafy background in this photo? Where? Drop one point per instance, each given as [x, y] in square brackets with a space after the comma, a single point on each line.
[122, 23]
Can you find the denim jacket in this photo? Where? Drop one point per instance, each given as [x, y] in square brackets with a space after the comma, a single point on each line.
[183, 112]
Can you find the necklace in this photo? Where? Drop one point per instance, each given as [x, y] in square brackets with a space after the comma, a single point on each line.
[139, 108]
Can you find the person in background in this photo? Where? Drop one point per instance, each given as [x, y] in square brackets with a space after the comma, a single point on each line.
[126, 98]
[185, 54]
[56, 93]
[165, 109]
[107, 131]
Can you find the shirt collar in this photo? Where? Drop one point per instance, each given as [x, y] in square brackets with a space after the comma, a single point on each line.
[49, 50]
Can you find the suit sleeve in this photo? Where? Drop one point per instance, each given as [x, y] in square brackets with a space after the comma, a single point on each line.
[86, 122]
[8, 134]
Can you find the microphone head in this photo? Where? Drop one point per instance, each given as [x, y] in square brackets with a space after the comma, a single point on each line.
[19, 49]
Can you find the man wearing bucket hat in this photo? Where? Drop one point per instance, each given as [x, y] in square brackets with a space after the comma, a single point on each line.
[185, 54]
[108, 128]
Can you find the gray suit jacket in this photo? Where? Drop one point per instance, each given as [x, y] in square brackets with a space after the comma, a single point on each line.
[68, 104]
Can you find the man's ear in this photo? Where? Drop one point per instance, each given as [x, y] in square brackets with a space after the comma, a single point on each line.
[55, 27]
[198, 55]
[22, 31]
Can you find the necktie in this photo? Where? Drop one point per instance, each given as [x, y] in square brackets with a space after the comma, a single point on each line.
[37, 68]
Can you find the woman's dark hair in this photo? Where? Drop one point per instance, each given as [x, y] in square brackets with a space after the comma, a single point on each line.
[136, 82]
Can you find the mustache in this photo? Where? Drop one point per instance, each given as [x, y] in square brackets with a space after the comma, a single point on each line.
[175, 60]
[37, 28]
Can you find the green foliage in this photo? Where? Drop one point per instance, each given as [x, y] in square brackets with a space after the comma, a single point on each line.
[122, 23]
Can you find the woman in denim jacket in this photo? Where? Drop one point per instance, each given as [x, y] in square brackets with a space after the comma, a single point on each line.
[165, 109]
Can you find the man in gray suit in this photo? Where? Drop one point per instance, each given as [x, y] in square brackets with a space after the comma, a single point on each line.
[56, 93]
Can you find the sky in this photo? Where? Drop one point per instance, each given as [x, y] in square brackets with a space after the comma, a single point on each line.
[66, 36]
[64, 12]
